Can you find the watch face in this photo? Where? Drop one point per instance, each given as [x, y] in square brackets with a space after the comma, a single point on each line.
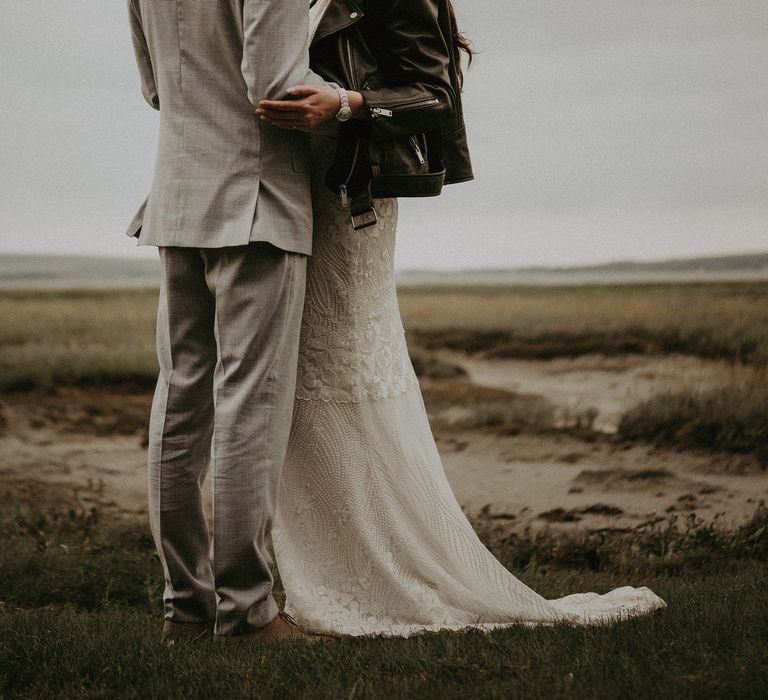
[345, 114]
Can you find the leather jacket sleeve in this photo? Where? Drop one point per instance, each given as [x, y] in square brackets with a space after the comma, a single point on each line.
[414, 62]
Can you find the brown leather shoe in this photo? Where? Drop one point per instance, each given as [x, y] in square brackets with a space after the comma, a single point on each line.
[282, 629]
[185, 632]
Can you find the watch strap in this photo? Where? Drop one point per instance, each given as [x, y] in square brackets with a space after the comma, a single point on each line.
[344, 112]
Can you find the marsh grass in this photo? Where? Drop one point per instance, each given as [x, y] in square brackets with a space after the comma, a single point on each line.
[427, 365]
[52, 338]
[665, 547]
[461, 405]
[80, 619]
[733, 419]
[106, 338]
[91, 337]
[725, 321]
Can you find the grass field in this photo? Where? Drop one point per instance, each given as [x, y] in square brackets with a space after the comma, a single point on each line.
[80, 590]
[50, 338]
[81, 614]
[727, 321]
[90, 337]
[734, 419]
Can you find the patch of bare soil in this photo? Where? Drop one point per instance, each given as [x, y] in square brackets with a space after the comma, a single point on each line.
[558, 481]
[597, 388]
[85, 446]
[68, 410]
[88, 447]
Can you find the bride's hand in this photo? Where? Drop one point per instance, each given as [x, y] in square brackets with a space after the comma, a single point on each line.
[309, 106]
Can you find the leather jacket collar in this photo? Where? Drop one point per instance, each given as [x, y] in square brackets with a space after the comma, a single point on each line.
[339, 15]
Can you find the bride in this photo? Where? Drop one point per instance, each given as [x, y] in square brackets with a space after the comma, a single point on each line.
[369, 538]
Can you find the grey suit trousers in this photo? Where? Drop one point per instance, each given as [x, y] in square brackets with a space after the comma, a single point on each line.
[227, 338]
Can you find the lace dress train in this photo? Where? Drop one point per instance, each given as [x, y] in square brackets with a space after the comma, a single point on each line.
[368, 536]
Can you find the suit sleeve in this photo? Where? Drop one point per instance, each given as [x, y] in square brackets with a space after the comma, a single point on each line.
[275, 50]
[143, 59]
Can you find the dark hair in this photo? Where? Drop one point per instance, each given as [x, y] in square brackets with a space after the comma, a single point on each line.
[460, 44]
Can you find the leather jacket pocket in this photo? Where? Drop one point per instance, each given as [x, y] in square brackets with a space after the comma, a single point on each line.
[404, 154]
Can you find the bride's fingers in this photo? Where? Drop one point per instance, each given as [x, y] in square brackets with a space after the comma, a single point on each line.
[283, 105]
[282, 114]
[302, 90]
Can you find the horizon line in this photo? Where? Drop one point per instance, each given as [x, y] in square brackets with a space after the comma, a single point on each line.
[538, 267]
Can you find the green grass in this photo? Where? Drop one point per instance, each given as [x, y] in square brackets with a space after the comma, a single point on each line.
[711, 642]
[72, 558]
[80, 619]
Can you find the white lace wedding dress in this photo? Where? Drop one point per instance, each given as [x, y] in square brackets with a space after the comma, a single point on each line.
[369, 538]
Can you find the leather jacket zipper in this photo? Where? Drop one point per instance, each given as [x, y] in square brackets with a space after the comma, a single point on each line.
[350, 62]
[343, 193]
[417, 150]
[403, 107]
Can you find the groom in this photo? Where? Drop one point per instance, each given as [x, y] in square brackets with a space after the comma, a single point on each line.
[230, 212]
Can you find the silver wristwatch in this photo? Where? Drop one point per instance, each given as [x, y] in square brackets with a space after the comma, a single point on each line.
[345, 113]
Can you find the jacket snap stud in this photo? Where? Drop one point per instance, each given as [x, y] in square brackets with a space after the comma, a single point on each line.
[353, 15]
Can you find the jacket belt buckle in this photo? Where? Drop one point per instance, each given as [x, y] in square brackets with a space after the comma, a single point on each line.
[364, 219]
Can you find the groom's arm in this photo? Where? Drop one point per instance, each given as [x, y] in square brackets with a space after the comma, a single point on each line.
[143, 59]
[275, 50]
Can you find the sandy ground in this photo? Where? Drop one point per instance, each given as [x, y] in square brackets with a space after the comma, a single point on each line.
[563, 482]
[92, 444]
[610, 385]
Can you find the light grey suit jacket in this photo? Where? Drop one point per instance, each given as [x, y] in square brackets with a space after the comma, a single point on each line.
[222, 176]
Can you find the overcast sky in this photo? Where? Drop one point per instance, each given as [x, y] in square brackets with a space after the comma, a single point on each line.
[600, 130]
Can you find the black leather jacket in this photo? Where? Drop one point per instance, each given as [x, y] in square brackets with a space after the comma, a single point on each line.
[396, 53]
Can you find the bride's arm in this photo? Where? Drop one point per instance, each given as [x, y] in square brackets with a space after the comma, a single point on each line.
[310, 107]
[415, 94]
[414, 58]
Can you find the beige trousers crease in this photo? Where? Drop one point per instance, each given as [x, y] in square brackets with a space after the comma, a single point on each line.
[228, 329]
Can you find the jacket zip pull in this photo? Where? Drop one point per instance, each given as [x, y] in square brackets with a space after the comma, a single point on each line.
[343, 193]
[381, 112]
[417, 151]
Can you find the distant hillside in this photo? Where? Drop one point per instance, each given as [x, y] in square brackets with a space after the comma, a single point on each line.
[60, 271]
[742, 267]
[31, 271]
[720, 263]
